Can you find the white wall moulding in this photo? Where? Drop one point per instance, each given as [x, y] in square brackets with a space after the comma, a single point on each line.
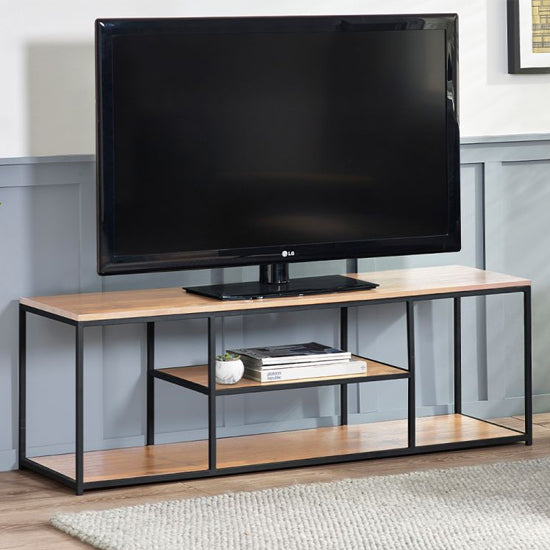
[48, 214]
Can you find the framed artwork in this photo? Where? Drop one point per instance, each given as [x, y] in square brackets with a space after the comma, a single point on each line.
[528, 36]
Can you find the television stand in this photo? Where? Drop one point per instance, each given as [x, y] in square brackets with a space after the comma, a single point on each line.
[275, 283]
[217, 453]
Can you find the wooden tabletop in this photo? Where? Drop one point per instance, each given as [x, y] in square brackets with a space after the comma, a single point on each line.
[399, 283]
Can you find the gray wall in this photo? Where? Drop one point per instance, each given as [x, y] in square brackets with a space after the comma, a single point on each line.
[47, 246]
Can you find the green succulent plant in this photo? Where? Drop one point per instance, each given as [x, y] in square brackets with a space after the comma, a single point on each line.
[228, 356]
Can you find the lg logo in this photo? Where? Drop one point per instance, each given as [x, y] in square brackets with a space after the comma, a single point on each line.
[286, 253]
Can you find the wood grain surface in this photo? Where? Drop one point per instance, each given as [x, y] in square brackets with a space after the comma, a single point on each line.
[199, 375]
[272, 447]
[400, 283]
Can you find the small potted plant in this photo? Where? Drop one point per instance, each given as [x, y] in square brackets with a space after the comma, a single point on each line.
[229, 368]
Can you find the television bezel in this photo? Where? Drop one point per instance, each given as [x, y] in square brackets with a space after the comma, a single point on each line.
[110, 263]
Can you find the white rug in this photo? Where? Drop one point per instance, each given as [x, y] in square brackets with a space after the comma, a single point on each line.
[500, 506]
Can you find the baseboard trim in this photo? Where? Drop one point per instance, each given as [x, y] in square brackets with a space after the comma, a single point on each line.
[8, 460]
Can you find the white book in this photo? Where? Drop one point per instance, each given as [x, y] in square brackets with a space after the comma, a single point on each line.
[290, 353]
[319, 370]
[253, 366]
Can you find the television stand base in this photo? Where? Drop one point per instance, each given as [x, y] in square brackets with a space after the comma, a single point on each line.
[294, 287]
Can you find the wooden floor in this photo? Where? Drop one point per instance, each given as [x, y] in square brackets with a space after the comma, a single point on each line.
[27, 500]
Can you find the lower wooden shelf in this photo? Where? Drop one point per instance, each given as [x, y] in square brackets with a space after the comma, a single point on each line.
[277, 447]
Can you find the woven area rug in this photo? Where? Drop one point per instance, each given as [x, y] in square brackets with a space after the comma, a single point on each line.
[499, 506]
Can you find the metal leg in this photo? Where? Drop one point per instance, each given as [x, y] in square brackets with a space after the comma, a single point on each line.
[22, 386]
[79, 407]
[211, 393]
[150, 384]
[344, 346]
[528, 365]
[411, 360]
[458, 355]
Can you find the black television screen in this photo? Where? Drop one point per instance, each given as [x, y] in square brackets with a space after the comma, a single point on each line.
[239, 141]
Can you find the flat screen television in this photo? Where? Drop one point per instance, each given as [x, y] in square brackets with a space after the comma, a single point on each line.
[271, 140]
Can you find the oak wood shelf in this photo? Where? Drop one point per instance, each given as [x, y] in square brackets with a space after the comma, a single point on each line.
[394, 284]
[280, 447]
[199, 375]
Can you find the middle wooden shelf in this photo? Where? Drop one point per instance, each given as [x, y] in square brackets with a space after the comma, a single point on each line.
[196, 378]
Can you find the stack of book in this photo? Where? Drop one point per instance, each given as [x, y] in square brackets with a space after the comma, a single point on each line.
[297, 361]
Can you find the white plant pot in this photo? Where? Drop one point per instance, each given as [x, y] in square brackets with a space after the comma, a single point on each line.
[229, 372]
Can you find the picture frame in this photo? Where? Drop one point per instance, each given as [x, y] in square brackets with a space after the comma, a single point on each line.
[528, 36]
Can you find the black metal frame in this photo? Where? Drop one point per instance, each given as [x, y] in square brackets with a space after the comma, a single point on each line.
[78, 483]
